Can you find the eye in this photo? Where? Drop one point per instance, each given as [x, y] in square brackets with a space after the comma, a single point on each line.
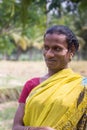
[46, 47]
[57, 49]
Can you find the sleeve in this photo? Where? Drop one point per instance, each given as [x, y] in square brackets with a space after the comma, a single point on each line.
[29, 85]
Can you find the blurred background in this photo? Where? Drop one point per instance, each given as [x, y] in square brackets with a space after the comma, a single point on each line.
[22, 26]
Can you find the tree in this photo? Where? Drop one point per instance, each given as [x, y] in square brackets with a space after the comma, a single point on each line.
[12, 22]
[31, 17]
[8, 24]
[71, 5]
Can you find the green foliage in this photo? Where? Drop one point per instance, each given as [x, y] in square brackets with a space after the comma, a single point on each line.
[83, 5]
[6, 46]
[7, 113]
[55, 4]
[7, 13]
[24, 10]
[31, 17]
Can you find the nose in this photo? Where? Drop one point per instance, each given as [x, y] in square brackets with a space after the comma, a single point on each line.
[49, 53]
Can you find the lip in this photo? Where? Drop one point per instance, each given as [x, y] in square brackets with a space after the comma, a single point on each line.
[50, 61]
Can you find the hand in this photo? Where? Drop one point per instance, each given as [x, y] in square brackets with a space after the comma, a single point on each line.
[48, 128]
[43, 128]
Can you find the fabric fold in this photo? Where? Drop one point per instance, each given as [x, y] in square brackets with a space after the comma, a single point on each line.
[54, 102]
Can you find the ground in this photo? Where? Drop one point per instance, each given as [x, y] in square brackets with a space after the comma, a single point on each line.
[29, 69]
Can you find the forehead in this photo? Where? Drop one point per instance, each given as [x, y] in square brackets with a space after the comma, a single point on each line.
[55, 39]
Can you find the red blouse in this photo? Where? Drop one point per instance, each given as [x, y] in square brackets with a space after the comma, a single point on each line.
[29, 85]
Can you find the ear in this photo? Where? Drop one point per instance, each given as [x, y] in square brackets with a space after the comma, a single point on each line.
[71, 56]
[73, 50]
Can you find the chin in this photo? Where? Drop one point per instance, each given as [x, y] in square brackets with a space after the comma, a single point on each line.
[55, 69]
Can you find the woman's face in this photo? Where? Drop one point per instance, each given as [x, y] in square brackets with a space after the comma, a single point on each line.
[56, 52]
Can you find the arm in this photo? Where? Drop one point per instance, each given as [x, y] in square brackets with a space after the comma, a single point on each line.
[18, 121]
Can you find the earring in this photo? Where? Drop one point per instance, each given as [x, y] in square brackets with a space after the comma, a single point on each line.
[71, 56]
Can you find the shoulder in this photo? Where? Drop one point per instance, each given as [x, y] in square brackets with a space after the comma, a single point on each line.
[32, 82]
[29, 85]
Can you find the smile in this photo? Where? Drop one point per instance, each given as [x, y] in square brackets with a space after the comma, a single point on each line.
[50, 61]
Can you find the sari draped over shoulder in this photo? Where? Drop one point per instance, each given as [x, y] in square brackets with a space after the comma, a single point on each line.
[58, 102]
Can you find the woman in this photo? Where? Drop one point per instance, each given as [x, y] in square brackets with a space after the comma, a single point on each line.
[59, 99]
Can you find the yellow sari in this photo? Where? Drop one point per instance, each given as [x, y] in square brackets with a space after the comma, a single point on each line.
[59, 102]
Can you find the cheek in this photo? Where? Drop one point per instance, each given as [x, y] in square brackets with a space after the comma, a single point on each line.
[43, 52]
[64, 58]
[64, 53]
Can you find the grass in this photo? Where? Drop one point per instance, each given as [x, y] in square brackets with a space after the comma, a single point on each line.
[7, 111]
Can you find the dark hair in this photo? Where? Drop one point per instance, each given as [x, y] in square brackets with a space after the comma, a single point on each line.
[70, 36]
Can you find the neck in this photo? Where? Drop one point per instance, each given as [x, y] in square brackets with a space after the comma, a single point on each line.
[51, 72]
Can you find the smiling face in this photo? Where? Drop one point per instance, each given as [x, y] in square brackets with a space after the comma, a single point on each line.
[55, 51]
